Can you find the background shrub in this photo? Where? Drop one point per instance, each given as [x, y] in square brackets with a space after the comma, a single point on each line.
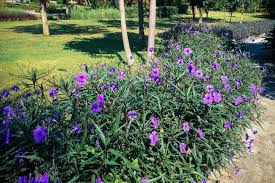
[157, 124]
[167, 11]
[183, 8]
[16, 16]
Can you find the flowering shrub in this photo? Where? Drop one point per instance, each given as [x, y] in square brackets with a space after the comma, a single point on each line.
[179, 120]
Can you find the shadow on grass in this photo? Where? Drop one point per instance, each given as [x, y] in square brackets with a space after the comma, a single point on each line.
[111, 43]
[60, 29]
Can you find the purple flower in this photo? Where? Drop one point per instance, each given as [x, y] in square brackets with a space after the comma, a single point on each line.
[8, 111]
[236, 170]
[155, 73]
[227, 87]
[98, 180]
[154, 121]
[81, 78]
[154, 138]
[227, 124]
[238, 100]
[44, 178]
[132, 115]
[182, 148]
[5, 93]
[15, 88]
[112, 70]
[8, 136]
[200, 133]
[185, 127]
[121, 74]
[6, 121]
[261, 90]
[76, 128]
[100, 99]
[187, 51]
[151, 49]
[207, 78]
[246, 136]
[203, 181]
[180, 60]
[95, 107]
[217, 96]
[53, 92]
[245, 98]
[254, 131]
[215, 65]
[20, 179]
[39, 134]
[253, 89]
[178, 47]
[97, 143]
[234, 65]
[144, 180]
[208, 98]
[199, 73]
[231, 154]
[191, 68]
[263, 69]
[92, 74]
[224, 79]
[113, 86]
[209, 88]
[103, 86]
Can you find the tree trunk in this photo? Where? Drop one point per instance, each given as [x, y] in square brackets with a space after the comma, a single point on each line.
[127, 49]
[231, 14]
[44, 18]
[141, 21]
[242, 12]
[193, 12]
[152, 29]
[200, 14]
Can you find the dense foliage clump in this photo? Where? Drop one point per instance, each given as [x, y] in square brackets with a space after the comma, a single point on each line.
[178, 120]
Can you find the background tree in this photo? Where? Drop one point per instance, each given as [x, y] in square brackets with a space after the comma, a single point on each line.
[127, 49]
[152, 29]
[199, 5]
[44, 18]
[141, 21]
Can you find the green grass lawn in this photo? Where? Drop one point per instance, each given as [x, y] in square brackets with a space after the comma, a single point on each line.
[74, 42]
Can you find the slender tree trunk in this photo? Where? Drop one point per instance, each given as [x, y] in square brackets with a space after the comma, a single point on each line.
[242, 12]
[152, 29]
[44, 18]
[141, 21]
[231, 14]
[200, 14]
[193, 12]
[127, 49]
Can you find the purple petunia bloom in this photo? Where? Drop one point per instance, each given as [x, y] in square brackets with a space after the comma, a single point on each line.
[185, 127]
[227, 87]
[44, 178]
[227, 124]
[215, 65]
[8, 111]
[97, 143]
[199, 73]
[39, 134]
[263, 69]
[209, 88]
[154, 138]
[154, 121]
[98, 180]
[6, 121]
[261, 90]
[92, 74]
[191, 68]
[113, 86]
[200, 133]
[217, 96]
[5, 93]
[224, 79]
[132, 115]
[155, 73]
[151, 49]
[100, 99]
[81, 78]
[254, 131]
[236, 170]
[103, 86]
[53, 92]
[203, 181]
[182, 147]
[76, 128]
[144, 180]
[187, 51]
[8, 136]
[238, 100]
[20, 179]
[95, 107]
[15, 88]
[246, 136]
[208, 98]
[207, 78]
[178, 47]
[180, 60]
[112, 70]
[253, 89]
[121, 74]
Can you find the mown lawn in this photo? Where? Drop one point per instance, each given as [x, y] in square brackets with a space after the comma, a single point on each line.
[74, 42]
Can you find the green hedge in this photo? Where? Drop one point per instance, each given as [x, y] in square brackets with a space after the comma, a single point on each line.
[167, 11]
